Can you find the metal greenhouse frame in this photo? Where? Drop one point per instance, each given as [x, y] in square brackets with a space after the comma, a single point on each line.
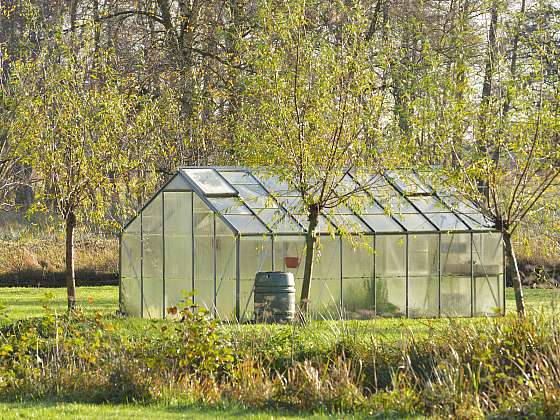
[410, 251]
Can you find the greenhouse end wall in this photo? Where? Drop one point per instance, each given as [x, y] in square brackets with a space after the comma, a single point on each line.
[178, 245]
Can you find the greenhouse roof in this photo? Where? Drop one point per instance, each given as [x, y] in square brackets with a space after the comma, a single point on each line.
[256, 202]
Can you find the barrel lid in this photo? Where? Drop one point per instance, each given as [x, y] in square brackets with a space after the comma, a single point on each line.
[274, 279]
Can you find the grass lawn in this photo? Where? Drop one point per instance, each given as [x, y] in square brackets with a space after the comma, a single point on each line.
[28, 302]
[65, 410]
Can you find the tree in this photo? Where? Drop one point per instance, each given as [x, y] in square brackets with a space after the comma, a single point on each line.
[79, 127]
[519, 161]
[313, 107]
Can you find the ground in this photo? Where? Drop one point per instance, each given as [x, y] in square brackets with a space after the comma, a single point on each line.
[19, 303]
[57, 410]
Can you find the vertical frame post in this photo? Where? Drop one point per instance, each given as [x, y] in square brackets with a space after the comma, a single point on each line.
[120, 271]
[214, 263]
[504, 271]
[472, 275]
[142, 264]
[341, 298]
[237, 278]
[407, 278]
[374, 275]
[163, 251]
[439, 275]
[272, 252]
[193, 253]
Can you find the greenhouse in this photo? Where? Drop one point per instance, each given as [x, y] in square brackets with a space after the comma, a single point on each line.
[408, 251]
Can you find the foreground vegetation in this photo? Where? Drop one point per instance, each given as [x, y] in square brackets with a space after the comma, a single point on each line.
[502, 366]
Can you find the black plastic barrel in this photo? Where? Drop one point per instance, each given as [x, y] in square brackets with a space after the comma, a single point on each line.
[275, 297]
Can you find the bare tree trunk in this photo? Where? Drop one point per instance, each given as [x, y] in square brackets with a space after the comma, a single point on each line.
[517, 286]
[513, 63]
[70, 276]
[487, 90]
[310, 241]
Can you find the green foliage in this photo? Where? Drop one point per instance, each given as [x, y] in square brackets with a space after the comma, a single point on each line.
[313, 105]
[82, 127]
[458, 368]
[193, 347]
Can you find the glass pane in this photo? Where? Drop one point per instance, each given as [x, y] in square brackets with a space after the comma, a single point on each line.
[130, 269]
[358, 283]
[423, 276]
[225, 272]
[324, 296]
[130, 294]
[478, 221]
[274, 185]
[414, 222]
[446, 221]
[178, 183]
[209, 181]
[373, 208]
[408, 182]
[348, 223]
[229, 205]
[278, 221]
[488, 272]
[255, 196]
[238, 177]
[456, 275]
[255, 256]
[487, 295]
[246, 223]
[465, 207]
[455, 296]
[130, 251]
[293, 204]
[152, 266]
[428, 204]
[381, 223]
[394, 204]
[178, 248]
[289, 255]
[390, 272]
[203, 255]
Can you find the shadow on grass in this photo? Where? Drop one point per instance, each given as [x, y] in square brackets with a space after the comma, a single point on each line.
[40, 278]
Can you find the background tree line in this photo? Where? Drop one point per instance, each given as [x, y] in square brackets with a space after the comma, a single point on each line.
[102, 99]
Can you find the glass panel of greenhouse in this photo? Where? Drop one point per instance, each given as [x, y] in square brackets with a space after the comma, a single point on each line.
[397, 248]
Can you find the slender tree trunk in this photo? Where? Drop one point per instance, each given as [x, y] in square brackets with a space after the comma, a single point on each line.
[487, 91]
[310, 241]
[70, 276]
[513, 268]
[513, 63]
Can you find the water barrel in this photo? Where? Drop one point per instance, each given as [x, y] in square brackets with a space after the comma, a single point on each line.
[275, 297]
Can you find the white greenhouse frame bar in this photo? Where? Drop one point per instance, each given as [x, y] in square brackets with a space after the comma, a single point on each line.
[410, 252]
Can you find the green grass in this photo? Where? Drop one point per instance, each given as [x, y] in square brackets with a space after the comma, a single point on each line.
[22, 302]
[27, 302]
[65, 410]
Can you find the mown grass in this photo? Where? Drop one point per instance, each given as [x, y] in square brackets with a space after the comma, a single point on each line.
[28, 302]
[23, 302]
[74, 410]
